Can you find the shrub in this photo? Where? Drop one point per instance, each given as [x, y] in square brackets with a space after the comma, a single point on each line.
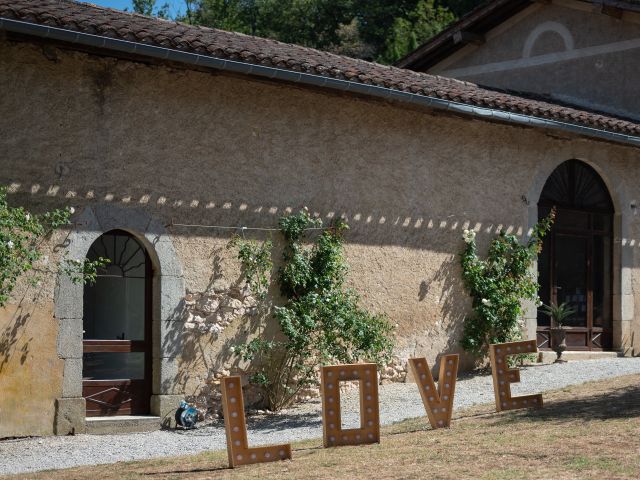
[21, 236]
[498, 285]
[321, 321]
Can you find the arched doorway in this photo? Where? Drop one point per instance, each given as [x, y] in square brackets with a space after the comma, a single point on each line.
[116, 372]
[575, 265]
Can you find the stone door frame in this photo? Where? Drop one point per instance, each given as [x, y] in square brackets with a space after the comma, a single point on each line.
[167, 306]
[622, 262]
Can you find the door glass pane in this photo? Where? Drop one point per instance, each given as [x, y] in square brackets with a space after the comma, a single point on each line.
[113, 366]
[544, 279]
[601, 282]
[571, 219]
[571, 276]
[114, 307]
[602, 222]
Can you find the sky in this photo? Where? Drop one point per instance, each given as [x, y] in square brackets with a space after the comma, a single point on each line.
[175, 6]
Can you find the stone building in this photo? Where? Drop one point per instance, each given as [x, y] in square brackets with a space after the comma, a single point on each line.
[569, 52]
[156, 131]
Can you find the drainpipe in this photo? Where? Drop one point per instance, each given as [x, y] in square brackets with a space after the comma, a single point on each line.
[161, 53]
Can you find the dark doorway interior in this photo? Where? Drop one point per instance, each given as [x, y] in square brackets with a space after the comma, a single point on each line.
[575, 265]
[117, 329]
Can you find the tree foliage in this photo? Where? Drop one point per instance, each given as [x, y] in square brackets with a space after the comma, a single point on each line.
[313, 23]
[377, 30]
[410, 31]
[148, 7]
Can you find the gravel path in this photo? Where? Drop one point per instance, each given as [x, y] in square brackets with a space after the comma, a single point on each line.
[397, 402]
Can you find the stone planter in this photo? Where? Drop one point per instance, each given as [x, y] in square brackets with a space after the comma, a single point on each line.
[558, 340]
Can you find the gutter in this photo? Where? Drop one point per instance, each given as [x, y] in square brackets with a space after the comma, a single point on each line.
[161, 53]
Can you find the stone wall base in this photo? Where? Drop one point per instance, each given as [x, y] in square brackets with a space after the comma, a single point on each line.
[165, 406]
[70, 416]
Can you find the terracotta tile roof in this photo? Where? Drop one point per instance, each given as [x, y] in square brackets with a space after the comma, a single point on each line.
[100, 21]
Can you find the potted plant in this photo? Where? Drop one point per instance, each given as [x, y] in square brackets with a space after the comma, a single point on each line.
[558, 314]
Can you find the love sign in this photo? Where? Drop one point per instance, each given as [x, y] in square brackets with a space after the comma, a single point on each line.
[438, 402]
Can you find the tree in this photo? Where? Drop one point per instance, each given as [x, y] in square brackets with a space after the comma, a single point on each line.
[350, 42]
[360, 28]
[313, 23]
[232, 15]
[460, 7]
[377, 20]
[377, 30]
[148, 7]
[411, 31]
[143, 7]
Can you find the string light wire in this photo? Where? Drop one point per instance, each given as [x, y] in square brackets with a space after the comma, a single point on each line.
[227, 227]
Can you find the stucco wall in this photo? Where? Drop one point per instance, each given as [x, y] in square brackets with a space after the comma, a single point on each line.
[187, 147]
[30, 370]
[566, 50]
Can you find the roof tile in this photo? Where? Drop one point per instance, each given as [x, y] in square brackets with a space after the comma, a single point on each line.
[87, 18]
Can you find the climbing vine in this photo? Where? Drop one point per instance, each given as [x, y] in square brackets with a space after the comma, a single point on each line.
[256, 263]
[321, 321]
[498, 285]
[21, 236]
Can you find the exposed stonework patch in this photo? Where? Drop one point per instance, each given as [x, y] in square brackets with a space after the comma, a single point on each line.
[205, 317]
[215, 309]
[208, 399]
[396, 371]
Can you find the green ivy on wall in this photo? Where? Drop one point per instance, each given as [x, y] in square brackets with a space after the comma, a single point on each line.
[498, 285]
[256, 263]
[321, 321]
[21, 236]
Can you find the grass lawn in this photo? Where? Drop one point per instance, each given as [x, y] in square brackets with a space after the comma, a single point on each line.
[583, 432]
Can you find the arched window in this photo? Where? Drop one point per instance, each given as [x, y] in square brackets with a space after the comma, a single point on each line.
[116, 322]
[575, 263]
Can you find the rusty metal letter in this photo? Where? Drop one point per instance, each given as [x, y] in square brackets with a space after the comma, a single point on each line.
[503, 376]
[236, 429]
[369, 431]
[438, 403]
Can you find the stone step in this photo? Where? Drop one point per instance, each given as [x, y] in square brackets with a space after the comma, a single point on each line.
[122, 424]
[548, 356]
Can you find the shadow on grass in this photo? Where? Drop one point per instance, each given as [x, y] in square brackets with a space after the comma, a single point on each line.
[622, 402]
[278, 423]
[186, 470]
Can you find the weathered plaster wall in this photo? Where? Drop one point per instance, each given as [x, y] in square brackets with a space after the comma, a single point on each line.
[567, 50]
[198, 148]
[30, 370]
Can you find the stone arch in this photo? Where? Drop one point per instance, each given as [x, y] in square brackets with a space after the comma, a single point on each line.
[623, 303]
[544, 171]
[168, 299]
[544, 27]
